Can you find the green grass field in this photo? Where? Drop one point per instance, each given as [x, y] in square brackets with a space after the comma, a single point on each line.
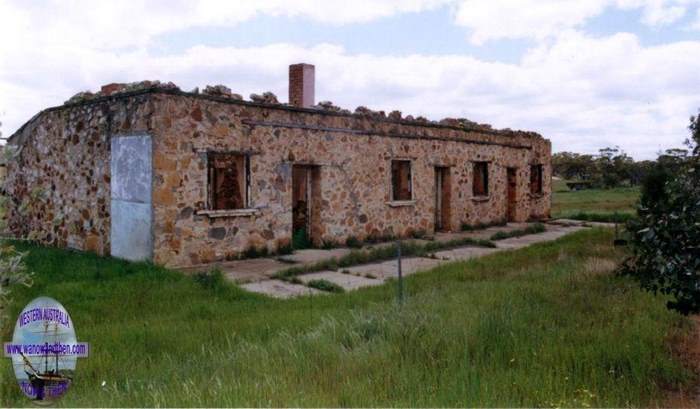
[603, 202]
[548, 325]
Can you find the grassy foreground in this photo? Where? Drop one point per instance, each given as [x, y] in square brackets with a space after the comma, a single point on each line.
[602, 202]
[543, 326]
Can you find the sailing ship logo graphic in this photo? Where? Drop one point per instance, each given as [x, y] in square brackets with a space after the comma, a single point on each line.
[44, 350]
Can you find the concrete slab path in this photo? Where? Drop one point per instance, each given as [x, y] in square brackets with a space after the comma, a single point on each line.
[244, 271]
[552, 233]
[388, 269]
[347, 281]
[311, 256]
[464, 253]
[573, 222]
[257, 275]
[481, 234]
[280, 289]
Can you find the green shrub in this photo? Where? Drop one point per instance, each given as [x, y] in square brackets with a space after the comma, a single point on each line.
[329, 244]
[292, 280]
[353, 242]
[380, 238]
[480, 226]
[419, 234]
[13, 272]
[325, 285]
[666, 236]
[255, 252]
[500, 235]
[285, 249]
[532, 229]
[211, 280]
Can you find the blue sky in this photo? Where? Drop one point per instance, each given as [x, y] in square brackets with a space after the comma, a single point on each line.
[584, 74]
[429, 32]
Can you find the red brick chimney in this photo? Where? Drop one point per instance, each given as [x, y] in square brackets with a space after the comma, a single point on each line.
[301, 85]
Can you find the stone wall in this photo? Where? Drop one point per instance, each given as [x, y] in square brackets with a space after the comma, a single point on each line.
[58, 179]
[65, 156]
[354, 156]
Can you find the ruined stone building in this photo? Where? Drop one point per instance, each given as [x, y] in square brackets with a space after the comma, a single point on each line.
[147, 171]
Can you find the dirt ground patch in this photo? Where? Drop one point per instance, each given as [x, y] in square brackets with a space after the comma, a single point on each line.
[688, 347]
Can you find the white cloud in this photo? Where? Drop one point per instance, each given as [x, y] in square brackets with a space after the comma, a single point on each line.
[659, 12]
[581, 92]
[496, 19]
[134, 23]
[539, 19]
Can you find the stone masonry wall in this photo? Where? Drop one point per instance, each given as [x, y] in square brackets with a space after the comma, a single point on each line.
[354, 158]
[60, 190]
[58, 178]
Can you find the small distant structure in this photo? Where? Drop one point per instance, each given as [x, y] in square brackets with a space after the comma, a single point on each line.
[578, 185]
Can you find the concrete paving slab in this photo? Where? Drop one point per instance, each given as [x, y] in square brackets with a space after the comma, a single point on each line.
[552, 233]
[256, 274]
[421, 242]
[566, 222]
[389, 269]
[254, 269]
[311, 256]
[584, 223]
[483, 234]
[347, 281]
[280, 289]
[413, 265]
[464, 253]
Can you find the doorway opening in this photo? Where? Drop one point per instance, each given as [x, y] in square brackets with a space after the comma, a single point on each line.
[511, 202]
[305, 205]
[442, 199]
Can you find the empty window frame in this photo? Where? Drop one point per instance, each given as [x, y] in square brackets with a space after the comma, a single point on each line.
[480, 182]
[401, 184]
[536, 179]
[228, 180]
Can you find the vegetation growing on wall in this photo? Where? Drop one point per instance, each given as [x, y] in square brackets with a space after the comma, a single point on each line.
[13, 271]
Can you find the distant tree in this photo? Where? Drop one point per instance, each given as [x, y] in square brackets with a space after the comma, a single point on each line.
[694, 140]
[613, 167]
[639, 170]
[674, 159]
[666, 235]
[573, 166]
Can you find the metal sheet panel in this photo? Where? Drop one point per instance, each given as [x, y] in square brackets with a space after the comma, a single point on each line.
[131, 209]
[131, 236]
[131, 168]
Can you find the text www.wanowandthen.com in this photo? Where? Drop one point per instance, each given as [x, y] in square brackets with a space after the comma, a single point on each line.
[78, 349]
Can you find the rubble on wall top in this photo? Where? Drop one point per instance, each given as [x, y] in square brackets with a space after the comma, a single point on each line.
[330, 107]
[269, 98]
[266, 98]
[119, 88]
[221, 91]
